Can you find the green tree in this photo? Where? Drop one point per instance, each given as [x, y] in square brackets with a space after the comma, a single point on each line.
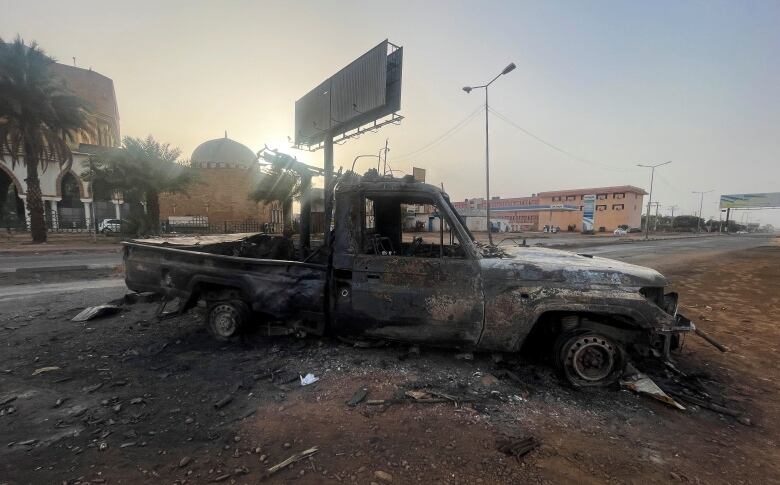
[38, 116]
[141, 170]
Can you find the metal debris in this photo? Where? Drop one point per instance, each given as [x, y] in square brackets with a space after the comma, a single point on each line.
[94, 312]
[45, 369]
[518, 447]
[223, 402]
[358, 397]
[289, 461]
[642, 384]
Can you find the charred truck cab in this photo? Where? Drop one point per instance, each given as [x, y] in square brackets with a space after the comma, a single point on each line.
[380, 277]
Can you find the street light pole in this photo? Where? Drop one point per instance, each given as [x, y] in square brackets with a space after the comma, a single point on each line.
[701, 204]
[650, 197]
[468, 89]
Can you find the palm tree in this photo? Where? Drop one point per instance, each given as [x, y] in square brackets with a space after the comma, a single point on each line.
[38, 116]
[279, 184]
[141, 170]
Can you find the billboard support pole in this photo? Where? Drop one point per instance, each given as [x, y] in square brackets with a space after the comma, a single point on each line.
[328, 164]
[305, 214]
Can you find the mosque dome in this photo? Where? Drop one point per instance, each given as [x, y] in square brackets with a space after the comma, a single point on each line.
[222, 152]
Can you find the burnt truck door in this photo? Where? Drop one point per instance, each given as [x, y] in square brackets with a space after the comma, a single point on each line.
[406, 283]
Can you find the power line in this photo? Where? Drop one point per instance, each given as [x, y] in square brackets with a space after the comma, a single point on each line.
[555, 147]
[458, 126]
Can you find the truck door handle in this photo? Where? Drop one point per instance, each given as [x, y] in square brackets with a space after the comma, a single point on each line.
[372, 276]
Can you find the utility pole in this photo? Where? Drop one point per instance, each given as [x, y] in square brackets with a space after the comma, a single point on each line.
[671, 223]
[650, 197]
[655, 223]
[468, 89]
[701, 204]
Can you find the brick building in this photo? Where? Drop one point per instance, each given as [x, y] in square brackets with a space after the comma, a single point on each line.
[227, 173]
[615, 206]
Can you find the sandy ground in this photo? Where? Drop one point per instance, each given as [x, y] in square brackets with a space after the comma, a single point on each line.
[138, 402]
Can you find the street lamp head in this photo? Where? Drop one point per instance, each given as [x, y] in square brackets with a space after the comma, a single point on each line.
[467, 89]
[511, 67]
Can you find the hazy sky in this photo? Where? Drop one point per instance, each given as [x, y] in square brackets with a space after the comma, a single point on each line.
[612, 83]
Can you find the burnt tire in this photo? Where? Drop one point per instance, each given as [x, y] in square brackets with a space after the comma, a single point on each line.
[588, 359]
[227, 319]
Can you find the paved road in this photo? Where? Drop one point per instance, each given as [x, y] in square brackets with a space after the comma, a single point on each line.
[651, 253]
[655, 253]
[58, 260]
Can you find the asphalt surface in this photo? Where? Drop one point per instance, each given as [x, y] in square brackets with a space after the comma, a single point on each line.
[89, 260]
[98, 290]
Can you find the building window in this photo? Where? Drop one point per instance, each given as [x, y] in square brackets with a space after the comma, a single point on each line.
[581, 207]
[619, 195]
[601, 207]
[617, 207]
[571, 197]
[601, 196]
[556, 198]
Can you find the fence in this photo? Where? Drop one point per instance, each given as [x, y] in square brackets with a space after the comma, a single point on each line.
[194, 226]
[202, 226]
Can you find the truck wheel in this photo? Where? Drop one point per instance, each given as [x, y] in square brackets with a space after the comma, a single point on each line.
[588, 359]
[226, 319]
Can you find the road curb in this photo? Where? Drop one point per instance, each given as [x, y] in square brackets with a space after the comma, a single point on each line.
[49, 269]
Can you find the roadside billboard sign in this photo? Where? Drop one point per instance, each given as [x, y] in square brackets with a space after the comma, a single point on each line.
[418, 174]
[750, 201]
[588, 212]
[359, 95]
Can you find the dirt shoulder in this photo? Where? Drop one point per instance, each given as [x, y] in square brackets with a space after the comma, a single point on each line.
[138, 402]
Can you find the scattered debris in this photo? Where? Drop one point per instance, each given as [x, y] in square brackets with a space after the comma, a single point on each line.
[94, 388]
[223, 402]
[45, 369]
[184, 461]
[137, 400]
[431, 397]
[518, 447]
[642, 384]
[384, 476]
[465, 356]
[92, 312]
[715, 407]
[60, 402]
[376, 402]
[711, 340]
[308, 379]
[7, 399]
[289, 461]
[358, 397]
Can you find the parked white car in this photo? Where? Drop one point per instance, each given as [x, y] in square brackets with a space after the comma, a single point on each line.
[107, 226]
[620, 232]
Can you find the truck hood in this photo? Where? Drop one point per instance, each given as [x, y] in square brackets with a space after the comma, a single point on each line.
[552, 265]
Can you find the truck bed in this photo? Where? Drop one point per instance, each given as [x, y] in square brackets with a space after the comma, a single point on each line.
[254, 268]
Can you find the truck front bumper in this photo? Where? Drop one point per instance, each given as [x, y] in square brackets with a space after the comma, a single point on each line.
[671, 333]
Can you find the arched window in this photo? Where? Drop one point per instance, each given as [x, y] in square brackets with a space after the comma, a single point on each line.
[70, 190]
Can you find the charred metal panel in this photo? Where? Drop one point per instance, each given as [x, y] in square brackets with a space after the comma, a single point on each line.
[431, 300]
[281, 289]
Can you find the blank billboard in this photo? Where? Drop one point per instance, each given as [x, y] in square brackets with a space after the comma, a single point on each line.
[368, 89]
[750, 201]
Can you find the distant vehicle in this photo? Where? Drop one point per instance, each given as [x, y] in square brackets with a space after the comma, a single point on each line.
[742, 232]
[107, 226]
[620, 232]
[634, 230]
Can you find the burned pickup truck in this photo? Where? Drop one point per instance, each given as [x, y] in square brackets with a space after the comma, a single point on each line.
[376, 278]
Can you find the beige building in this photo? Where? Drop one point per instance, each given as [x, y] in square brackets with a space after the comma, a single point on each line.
[67, 197]
[614, 207]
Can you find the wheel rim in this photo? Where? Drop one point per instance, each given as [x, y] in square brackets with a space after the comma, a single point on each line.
[591, 358]
[224, 320]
